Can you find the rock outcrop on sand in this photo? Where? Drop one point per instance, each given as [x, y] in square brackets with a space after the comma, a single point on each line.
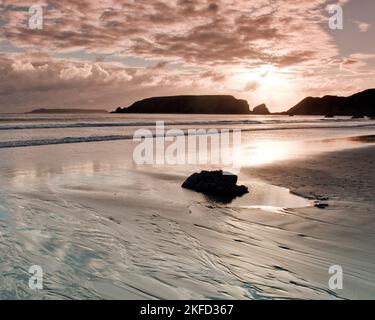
[261, 110]
[210, 104]
[362, 103]
[215, 183]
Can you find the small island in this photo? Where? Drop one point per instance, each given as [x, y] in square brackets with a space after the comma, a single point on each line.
[190, 104]
[43, 111]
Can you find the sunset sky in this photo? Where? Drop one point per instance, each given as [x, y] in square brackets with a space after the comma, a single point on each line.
[109, 53]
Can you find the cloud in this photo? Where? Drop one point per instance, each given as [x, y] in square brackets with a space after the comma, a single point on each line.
[37, 80]
[251, 86]
[362, 26]
[198, 46]
[200, 32]
[359, 64]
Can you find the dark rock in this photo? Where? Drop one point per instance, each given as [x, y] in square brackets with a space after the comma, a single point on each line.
[362, 103]
[261, 110]
[358, 116]
[210, 104]
[215, 183]
[329, 115]
[321, 205]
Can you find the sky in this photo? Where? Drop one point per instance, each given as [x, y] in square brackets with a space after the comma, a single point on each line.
[110, 53]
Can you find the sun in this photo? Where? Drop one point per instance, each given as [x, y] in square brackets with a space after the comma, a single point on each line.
[265, 83]
[272, 77]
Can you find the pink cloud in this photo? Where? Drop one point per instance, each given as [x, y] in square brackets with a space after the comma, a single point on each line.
[204, 47]
[362, 26]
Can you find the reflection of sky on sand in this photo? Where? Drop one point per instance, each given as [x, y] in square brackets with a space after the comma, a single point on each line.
[55, 204]
[92, 158]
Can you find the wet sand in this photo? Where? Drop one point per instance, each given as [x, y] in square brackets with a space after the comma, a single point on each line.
[250, 251]
[102, 227]
[343, 233]
[341, 175]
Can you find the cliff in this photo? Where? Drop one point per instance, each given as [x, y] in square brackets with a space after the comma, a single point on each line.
[362, 103]
[215, 104]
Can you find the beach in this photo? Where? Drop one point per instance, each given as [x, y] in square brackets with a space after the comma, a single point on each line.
[341, 234]
[103, 227]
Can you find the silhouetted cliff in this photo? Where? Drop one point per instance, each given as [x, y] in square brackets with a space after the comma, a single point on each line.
[215, 104]
[261, 110]
[362, 103]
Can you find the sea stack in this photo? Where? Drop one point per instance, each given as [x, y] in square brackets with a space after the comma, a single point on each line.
[261, 110]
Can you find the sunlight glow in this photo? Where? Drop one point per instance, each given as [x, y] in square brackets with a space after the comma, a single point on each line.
[267, 152]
